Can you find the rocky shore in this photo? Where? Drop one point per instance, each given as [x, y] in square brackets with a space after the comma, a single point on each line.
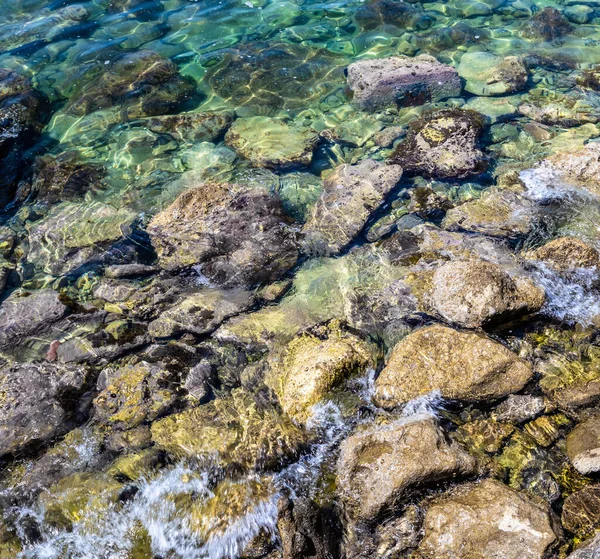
[305, 302]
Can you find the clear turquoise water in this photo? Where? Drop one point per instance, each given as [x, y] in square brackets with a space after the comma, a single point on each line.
[279, 59]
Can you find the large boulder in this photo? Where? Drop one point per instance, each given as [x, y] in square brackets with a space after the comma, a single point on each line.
[381, 467]
[25, 314]
[401, 81]
[484, 520]
[443, 144]
[488, 74]
[474, 293]
[314, 363]
[236, 430]
[350, 195]
[272, 143]
[38, 402]
[583, 446]
[239, 236]
[461, 365]
[200, 312]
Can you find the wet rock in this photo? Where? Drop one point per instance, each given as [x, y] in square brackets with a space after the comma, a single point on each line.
[237, 428]
[583, 446]
[200, 313]
[401, 81]
[142, 82]
[135, 394]
[37, 403]
[547, 24]
[499, 212]
[567, 253]
[73, 236]
[486, 519]
[25, 314]
[476, 293]
[581, 511]
[23, 113]
[271, 143]
[191, 127]
[569, 110]
[375, 13]
[119, 271]
[388, 135]
[488, 74]
[462, 365]
[66, 177]
[307, 530]
[484, 435]
[349, 197]
[443, 144]
[316, 362]
[589, 550]
[239, 236]
[379, 468]
[427, 203]
[520, 408]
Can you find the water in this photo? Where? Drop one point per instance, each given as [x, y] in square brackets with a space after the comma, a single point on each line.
[106, 148]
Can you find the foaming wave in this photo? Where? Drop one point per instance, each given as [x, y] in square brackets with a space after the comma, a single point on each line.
[430, 405]
[571, 297]
[544, 184]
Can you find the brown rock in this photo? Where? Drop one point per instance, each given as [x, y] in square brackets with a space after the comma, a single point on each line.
[581, 511]
[462, 365]
[566, 253]
[583, 446]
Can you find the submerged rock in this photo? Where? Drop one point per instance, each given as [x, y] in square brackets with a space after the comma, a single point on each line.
[443, 144]
[191, 127]
[200, 313]
[401, 81]
[488, 74]
[499, 212]
[547, 24]
[135, 394]
[239, 236]
[567, 253]
[583, 446]
[142, 82]
[581, 511]
[475, 293]
[379, 468]
[237, 429]
[569, 110]
[272, 143]
[28, 314]
[520, 408]
[487, 519]
[461, 365]
[38, 402]
[316, 362]
[349, 197]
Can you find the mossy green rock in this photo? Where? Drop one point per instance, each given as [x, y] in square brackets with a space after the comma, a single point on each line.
[135, 394]
[236, 428]
[316, 362]
[487, 74]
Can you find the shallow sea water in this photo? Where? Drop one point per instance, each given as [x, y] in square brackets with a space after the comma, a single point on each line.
[281, 59]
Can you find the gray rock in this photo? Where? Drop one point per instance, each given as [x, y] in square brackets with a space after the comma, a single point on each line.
[119, 271]
[378, 469]
[400, 80]
[37, 403]
[488, 74]
[589, 550]
[349, 197]
[28, 314]
[518, 409]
